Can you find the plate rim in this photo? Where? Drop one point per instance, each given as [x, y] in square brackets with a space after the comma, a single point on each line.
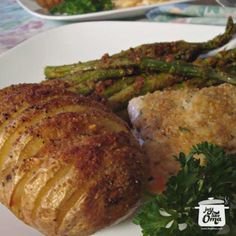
[58, 28]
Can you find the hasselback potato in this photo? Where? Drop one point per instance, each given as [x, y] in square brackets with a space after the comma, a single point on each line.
[68, 166]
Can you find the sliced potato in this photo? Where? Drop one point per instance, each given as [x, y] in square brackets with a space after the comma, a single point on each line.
[68, 165]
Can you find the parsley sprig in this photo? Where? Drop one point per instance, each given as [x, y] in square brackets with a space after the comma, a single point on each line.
[72, 7]
[172, 213]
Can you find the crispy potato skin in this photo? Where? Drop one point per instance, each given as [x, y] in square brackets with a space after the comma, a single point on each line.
[68, 166]
[175, 120]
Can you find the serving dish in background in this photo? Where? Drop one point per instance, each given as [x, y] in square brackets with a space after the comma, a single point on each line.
[33, 8]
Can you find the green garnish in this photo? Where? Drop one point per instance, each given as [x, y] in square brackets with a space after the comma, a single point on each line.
[72, 7]
[193, 183]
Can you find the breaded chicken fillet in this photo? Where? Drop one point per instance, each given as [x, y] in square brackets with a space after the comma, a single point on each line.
[174, 121]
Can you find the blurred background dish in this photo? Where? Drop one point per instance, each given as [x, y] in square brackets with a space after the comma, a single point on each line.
[35, 9]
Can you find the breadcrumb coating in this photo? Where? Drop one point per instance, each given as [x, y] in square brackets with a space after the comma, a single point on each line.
[173, 121]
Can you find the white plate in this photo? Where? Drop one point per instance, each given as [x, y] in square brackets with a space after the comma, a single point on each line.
[84, 41]
[33, 8]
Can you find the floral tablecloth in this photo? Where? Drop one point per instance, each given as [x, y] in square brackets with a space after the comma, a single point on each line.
[16, 24]
[192, 14]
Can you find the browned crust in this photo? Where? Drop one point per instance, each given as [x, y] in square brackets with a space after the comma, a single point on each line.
[57, 137]
[175, 120]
